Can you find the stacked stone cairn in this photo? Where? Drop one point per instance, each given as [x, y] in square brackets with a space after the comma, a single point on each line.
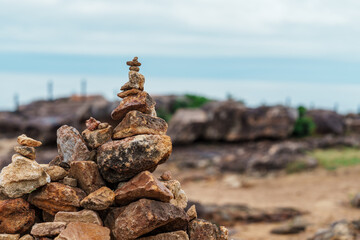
[100, 185]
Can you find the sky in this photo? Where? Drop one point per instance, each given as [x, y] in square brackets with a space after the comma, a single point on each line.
[298, 51]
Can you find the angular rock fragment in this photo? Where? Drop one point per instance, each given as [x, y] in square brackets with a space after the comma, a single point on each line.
[180, 199]
[85, 216]
[136, 81]
[9, 236]
[103, 125]
[72, 182]
[25, 151]
[166, 176]
[26, 237]
[56, 173]
[137, 123]
[97, 137]
[191, 212]
[16, 216]
[143, 185]
[141, 102]
[84, 231]
[100, 199]
[29, 142]
[123, 159]
[22, 176]
[71, 146]
[128, 93]
[48, 229]
[87, 175]
[92, 124]
[178, 235]
[55, 197]
[144, 216]
[203, 230]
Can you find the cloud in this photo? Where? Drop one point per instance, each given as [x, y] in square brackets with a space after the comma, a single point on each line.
[315, 28]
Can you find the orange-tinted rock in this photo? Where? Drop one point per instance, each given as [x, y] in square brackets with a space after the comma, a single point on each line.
[27, 141]
[191, 212]
[56, 173]
[85, 216]
[97, 137]
[84, 231]
[25, 151]
[26, 237]
[144, 185]
[134, 68]
[128, 93]
[136, 123]
[71, 146]
[136, 81]
[145, 216]
[55, 197]
[100, 199]
[141, 102]
[92, 124]
[203, 230]
[178, 235]
[16, 216]
[87, 175]
[180, 199]
[48, 229]
[121, 160]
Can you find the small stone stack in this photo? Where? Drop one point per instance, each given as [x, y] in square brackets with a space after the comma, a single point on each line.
[101, 186]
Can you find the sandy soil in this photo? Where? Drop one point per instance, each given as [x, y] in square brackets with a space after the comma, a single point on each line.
[324, 194]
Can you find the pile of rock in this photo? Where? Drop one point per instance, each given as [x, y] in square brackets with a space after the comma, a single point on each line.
[100, 186]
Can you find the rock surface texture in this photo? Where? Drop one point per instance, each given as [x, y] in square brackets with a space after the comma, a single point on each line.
[101, 186]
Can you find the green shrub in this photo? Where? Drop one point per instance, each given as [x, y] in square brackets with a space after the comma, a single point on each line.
[190, 101]
[296, 166]
[304, 126]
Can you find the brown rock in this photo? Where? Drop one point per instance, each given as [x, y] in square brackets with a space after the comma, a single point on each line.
[203, 230]
[178, 235]
[48, 229]
[180, 199]
[9, 236]
[103, 125]
[191, 212]
[29, 142]
[16, 216]
[55, 197]
[84, 231]
[26, 237]
[123, 159]
[166, 176]
[128, 93]
[134, 68]
[144, 216]
[72, 182]
[25, 151]
[141, 102]
[87, 175]
[100, 199]
[22, 176]
[136, 123]
[136, 81]
[97, 137]
[56, 173]
[85, 216]
[134, 62]
[92, 124]
[71, 146]
[143, 185]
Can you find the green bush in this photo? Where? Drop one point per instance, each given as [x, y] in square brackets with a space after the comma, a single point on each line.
[190, 101]
[296, 167]
[304, 126]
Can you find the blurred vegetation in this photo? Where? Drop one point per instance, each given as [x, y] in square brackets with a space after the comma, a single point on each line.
[187, 101]
[296, 167]
[334, 158]
[304, 126]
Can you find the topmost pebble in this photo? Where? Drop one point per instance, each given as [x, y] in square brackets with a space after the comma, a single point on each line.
[29, 142]
[134, 62]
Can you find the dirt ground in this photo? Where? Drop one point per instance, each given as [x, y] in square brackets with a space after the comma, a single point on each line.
[324, 194]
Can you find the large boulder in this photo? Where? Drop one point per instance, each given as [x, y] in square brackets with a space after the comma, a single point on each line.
[187, 125]
[327, 122]
[123, 159]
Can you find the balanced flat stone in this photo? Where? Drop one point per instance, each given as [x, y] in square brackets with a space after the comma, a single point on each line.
[144, 216]
[144, 185]
[55, 197]
[98, 137]
[25, 151]
[134, 68]
[84, 231]
[134, 62]
[98, 200]
[128, 93]
[137, 123]
[87, 175]
[22, 176]
[141, 102]
[123, 159]
[48, 229]
[16, 216]
[27, 141]
[85, 216]
[71, 146]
